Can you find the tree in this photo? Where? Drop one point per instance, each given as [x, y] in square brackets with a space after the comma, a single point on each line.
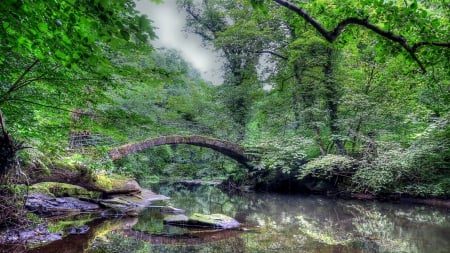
[224, 25]
[58, 56]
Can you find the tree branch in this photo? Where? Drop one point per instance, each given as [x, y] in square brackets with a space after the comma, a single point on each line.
[332, 35]
[21, 77]
[197, 18]
[52, 107]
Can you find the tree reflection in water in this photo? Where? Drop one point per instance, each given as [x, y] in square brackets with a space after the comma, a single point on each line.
[282, 223]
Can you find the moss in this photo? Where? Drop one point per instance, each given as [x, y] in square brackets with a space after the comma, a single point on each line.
[103, 182]
[114, 183]
[41, 188]
[63, 190]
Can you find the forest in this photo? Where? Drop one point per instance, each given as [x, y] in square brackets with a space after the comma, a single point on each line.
[339, 98]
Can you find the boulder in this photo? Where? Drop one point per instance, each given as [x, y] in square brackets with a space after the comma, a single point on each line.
[115, 184]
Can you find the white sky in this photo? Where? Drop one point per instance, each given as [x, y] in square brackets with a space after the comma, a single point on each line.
[169, 23]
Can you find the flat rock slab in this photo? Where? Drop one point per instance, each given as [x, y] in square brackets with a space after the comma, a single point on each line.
[42, 203]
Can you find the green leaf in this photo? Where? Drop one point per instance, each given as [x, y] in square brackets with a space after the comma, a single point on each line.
[43, 27]
[6, 25]
[435, 23]
[60, 54]
[66, 39]
[21, 40]
[259, 5]
[125, 34]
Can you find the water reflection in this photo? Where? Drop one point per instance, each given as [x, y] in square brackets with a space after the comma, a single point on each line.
[316, 224]
[279, 223]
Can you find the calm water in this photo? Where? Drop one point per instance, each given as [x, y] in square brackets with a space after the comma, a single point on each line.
[272, 223]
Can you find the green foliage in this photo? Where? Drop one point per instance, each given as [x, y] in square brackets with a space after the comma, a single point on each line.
[328, 167]
[86, 66]
[70, 32]
[421, 169]
[283, 155]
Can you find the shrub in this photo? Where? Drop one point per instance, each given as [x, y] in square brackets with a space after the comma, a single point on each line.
[284, 154]
[422, 169]
[328, 167]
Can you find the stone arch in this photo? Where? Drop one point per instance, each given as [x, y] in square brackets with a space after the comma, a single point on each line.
[230, 149]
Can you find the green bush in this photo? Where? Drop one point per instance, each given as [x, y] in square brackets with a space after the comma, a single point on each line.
[422, 169]
[284, 155]
[328, 167]
[381, 174]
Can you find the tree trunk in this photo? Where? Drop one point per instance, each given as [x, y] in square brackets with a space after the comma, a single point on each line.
[7, 152]
[332, 98]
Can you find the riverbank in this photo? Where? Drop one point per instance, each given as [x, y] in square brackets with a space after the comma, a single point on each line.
[60, 209]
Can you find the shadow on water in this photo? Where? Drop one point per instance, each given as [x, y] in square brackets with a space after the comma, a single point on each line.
[271, 223]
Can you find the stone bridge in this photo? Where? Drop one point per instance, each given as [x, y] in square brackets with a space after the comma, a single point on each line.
[230, 149]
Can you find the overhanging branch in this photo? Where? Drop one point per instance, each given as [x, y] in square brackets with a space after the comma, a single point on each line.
[333, 34]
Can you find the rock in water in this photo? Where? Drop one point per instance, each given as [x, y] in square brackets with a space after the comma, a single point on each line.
[219, 221]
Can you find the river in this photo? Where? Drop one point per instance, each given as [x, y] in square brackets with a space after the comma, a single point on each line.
[271, 223]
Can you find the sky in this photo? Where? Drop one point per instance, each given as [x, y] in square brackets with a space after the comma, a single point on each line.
[169, 23]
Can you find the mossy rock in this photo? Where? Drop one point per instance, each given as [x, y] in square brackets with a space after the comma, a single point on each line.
[63, 190]
[101, 182]
[219, 221]
[114, 184]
